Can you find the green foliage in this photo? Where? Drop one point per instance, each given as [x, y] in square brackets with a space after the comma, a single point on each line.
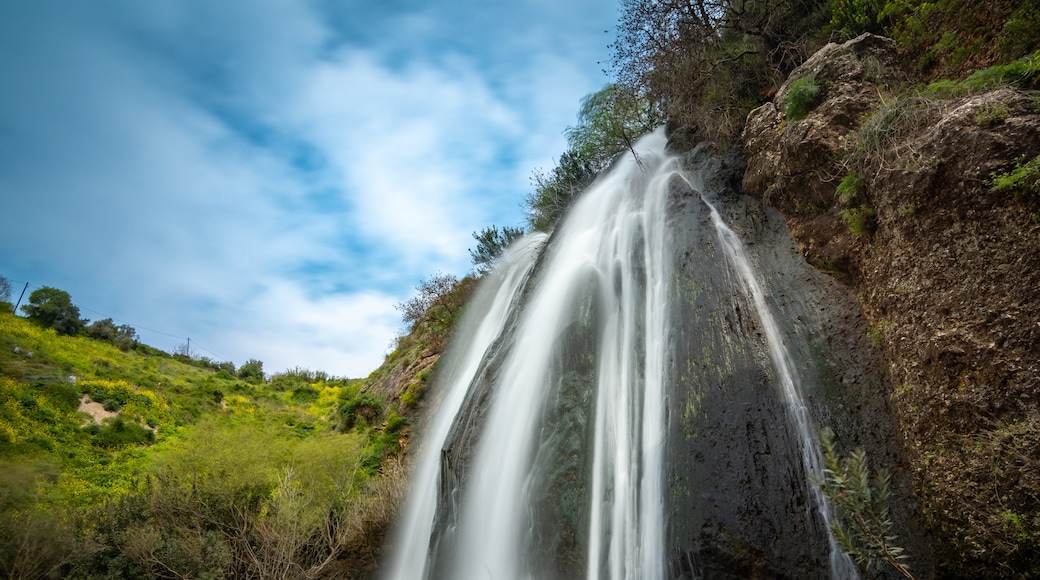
[117, 432]
[363, 408]
[864, 528]
[555, 191]
[252, 371]
[1025, 176]
[258, 486]
[609, 121]
[5, 290]
[851, 187]
[435, 301]
[1023, 73]
[53, 308]
[708, 63]
[491, 242]
[876, 334]
[859, 219]
[123, 335]
[953, 36]
[991, 114]
[803, 94]
[850, 18]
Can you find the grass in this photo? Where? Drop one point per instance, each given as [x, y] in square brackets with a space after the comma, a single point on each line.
[179, 426]
[802, 96]
[851, 187]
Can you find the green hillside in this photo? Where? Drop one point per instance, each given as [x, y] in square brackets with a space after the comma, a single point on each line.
[189, 469]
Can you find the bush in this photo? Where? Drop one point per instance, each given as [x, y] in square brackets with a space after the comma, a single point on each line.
[252, 371]
[991, 114]
[364, 408]
[864, 528]
[859, 219]
[433, 301]
[850, 18]
[53, 308]
[851, 187]
[1024, 177]
[803, 94]
[119, 433]
[491, 242]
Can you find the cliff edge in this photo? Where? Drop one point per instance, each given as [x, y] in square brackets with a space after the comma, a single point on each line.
[891, 189]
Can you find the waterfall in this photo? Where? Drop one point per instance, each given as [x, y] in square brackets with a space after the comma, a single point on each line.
[482, 323]
[841, 565]
[571, 418]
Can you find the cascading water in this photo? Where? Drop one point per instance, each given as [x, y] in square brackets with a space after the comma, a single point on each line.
[610, 412]
[841, 564]
[482, 324]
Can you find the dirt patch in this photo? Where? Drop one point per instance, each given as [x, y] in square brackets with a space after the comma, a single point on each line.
[95, 410]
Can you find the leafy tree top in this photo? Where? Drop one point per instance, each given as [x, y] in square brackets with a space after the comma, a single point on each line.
[53, 308]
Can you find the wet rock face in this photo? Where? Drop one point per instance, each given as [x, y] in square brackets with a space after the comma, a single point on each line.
[947, 277]
[740, 505]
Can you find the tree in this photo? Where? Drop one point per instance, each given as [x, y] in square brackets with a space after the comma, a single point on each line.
[123, 336]
[5, 289]
[433, 300]
[609, 121]
[252, 371]
[53, 308]
[491, 242]
[707, 63]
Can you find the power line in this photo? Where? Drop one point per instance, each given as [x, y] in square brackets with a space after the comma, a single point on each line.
[134, 326]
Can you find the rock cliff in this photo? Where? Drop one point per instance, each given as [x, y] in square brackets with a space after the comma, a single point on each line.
[888, 188]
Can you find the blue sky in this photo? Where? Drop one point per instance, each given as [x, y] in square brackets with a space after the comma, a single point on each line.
[271, 177]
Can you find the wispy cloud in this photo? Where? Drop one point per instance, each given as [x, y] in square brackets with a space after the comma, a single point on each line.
[270, 179]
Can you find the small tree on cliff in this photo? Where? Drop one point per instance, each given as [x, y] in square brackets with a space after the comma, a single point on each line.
[433, 300]
[491, 242]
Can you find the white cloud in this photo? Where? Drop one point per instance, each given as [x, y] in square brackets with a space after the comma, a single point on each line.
[410, 147]
[148, 161]
[285, 328]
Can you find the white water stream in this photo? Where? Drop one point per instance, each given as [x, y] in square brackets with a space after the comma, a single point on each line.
[842, 567]
[612, 242]
[482, 324]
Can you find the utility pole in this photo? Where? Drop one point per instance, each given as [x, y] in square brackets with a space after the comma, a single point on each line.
[20, 298]
[189, 348]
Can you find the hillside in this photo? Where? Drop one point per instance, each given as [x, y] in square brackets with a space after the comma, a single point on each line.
[184, 469]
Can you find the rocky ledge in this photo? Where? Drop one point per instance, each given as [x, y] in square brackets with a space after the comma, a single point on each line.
[889, 188]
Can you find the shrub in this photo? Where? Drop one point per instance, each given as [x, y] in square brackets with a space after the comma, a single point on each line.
[864, 528]
[491, 242]
[850, 18]
[120, 433]
[851, 186]
[252, 371]
[803, 94]
[364, 407]
[1024, 177]
[53, 308]
[859, 219]
[991, 114]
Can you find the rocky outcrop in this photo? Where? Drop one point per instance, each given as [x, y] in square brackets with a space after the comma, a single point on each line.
[947, 272]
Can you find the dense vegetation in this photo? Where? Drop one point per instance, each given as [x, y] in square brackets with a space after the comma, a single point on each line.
[187, 469]
[708, 62]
